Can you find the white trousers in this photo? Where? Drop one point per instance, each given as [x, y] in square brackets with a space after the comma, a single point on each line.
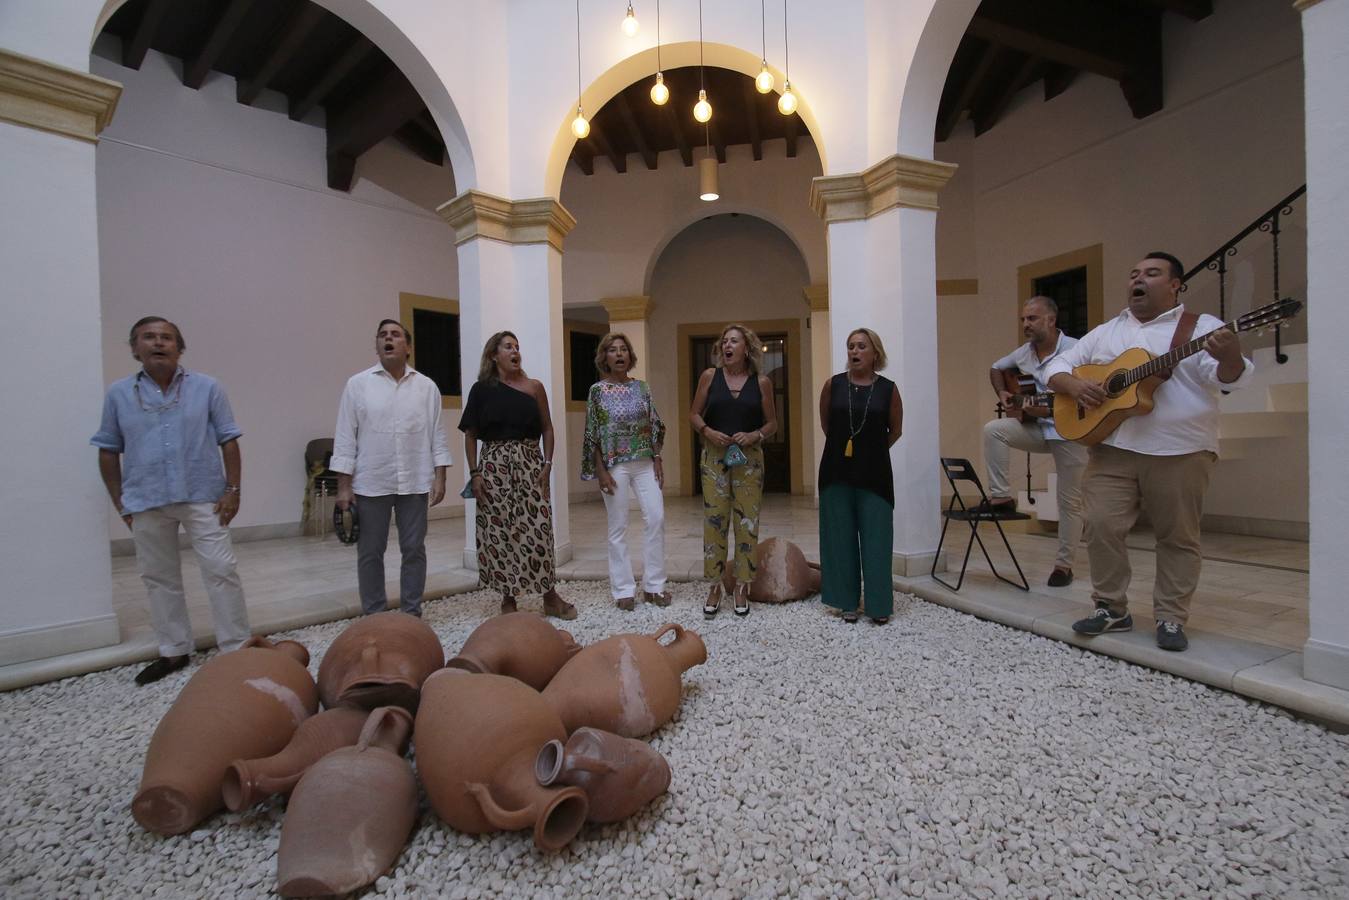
[1001, 436]
[637, 477]
[155, 533]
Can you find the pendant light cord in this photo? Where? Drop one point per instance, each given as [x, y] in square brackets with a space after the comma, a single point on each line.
[786, 48]
[578, 52]
[701, 86]
[763, 29]
[658, 36]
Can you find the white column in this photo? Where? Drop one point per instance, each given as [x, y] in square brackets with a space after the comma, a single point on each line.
[1325, 55]
[510, 278]
[821, 366]
[54, 532]
[629, 315]
[883, 276]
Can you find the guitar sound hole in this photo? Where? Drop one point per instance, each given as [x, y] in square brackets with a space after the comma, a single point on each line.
[1116, 384]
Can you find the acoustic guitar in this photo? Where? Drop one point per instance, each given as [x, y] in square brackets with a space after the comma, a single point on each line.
[1022, 389]
[1131, 378]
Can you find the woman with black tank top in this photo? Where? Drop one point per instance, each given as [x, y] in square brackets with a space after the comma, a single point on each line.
[508, 411]
[733, 407]
[862, 415]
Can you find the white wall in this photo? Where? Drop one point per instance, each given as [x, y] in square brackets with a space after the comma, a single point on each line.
[1054, 177]
[218, 216]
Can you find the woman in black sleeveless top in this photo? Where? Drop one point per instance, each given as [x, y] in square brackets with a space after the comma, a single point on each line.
[508, 412]
[862, 415]
[733, 407]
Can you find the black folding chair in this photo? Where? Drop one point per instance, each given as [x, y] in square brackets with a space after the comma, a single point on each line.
[961, 470]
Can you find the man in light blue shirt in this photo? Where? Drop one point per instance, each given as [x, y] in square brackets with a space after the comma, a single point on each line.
[1035, 432]
[160, 447]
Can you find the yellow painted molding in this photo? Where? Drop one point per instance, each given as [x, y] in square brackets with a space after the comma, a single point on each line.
[627, 309]
[475, 214]
[48, 97]
[817, 297]
[953, 287]
[904, 181]
[1304, 5]
[407, 304]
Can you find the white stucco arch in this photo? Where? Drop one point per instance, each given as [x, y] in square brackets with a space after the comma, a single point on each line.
[641, 66]
[679, 225]
[918, 93]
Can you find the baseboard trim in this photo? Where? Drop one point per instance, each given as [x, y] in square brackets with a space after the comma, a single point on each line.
[1256, 527]
[1326, 663]
[26, 644]
[913, 565]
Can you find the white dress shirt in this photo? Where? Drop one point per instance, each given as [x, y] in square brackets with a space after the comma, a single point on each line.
[1185, 417]
[388, 433]
[1028, 362]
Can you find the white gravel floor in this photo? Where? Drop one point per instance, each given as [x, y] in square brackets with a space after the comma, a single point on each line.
[937, 756]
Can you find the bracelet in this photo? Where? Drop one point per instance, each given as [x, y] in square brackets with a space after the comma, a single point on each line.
[474, 470]
[760, 434]
[702, 430]
[547, 462]
[231, 488]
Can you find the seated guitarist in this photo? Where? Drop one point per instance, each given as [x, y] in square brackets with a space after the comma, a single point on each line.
[1160, 460]
[1034, 431]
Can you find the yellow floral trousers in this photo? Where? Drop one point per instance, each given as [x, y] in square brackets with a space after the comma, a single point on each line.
[731, 499]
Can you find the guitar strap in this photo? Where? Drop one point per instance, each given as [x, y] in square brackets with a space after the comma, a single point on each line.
[1184, 331]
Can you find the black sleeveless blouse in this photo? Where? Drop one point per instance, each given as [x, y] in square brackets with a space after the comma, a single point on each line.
[730, 414]
[501, 413]
[869, 465]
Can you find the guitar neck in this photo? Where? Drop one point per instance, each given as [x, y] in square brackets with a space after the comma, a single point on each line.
[1172, 358]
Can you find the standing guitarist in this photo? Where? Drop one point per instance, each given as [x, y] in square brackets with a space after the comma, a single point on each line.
[1034, 432]
[1160, 460]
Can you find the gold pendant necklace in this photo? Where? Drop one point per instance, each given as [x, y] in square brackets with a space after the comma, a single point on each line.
[866, 408]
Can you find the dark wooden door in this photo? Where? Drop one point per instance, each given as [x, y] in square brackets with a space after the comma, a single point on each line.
[777, 449]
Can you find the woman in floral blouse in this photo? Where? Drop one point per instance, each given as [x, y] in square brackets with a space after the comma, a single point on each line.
[623, 438]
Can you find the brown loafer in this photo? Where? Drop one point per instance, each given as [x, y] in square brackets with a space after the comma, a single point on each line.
[626, 603]
[508, 605]
[1060, 577]
[165, 665]
[661, 599]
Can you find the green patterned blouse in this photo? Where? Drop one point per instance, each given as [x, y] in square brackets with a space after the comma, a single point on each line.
[622, 422]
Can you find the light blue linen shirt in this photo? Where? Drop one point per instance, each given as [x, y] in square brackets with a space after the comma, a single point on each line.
[169, 440]
[1028, 361]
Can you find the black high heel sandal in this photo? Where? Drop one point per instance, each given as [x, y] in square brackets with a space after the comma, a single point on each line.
[712, 605]
[741, 592]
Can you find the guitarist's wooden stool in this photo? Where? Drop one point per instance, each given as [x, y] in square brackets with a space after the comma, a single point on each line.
[961, 470]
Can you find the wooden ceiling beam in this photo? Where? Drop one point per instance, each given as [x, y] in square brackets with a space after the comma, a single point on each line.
[988, 112]
[635, 130]
[718, 144]
[1058, 78]
[1142, 86]
[134, 50]
[376, 113]
[1083, 36]
[1194, 10]
[792, 128]
[681, 140]
[292, 36]
[195, 69]
[584, 155]
[752, 118]
[356, 51]
[618, 160]
[968, 88]
[413, 135]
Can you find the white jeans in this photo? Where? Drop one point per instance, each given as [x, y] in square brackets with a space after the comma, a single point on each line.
[636, 477]
[155, 533]
[1070, 459]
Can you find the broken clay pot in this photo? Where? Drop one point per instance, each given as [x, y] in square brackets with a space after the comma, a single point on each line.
[380, 660]
[240, 705]
[522, 645]
[781, 573]
[619, 775]
[628, 684]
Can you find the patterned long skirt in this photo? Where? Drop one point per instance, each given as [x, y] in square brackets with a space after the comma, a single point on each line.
[515, 525]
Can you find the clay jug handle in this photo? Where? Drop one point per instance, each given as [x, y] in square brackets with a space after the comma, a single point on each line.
[678, 632]
[504, 819]
[387, 727]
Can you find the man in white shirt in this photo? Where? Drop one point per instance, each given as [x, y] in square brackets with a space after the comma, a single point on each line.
[1160, 460]
[390, 455]
[1045, 342]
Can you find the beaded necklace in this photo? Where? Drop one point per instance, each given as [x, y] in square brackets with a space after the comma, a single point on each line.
[866, 408]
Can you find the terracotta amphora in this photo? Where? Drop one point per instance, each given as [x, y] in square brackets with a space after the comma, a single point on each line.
[380, 660]
[627, 684]
[477, 738]
[250, 781]
[619, 775]
[240, 705]
[523, 645]
[351, 813]
[781, 573]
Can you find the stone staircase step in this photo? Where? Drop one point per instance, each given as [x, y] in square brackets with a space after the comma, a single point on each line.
[1290, 397]
[1260, 424]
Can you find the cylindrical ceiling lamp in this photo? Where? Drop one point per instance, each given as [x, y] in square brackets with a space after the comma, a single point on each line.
[707, 178]
[630, 22]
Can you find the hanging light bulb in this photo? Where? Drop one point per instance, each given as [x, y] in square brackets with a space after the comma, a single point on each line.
[763, 83]
[659, 92]
[702, 110]
[579, 126]
[707, 179]
[787, 102]
[630, 22]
